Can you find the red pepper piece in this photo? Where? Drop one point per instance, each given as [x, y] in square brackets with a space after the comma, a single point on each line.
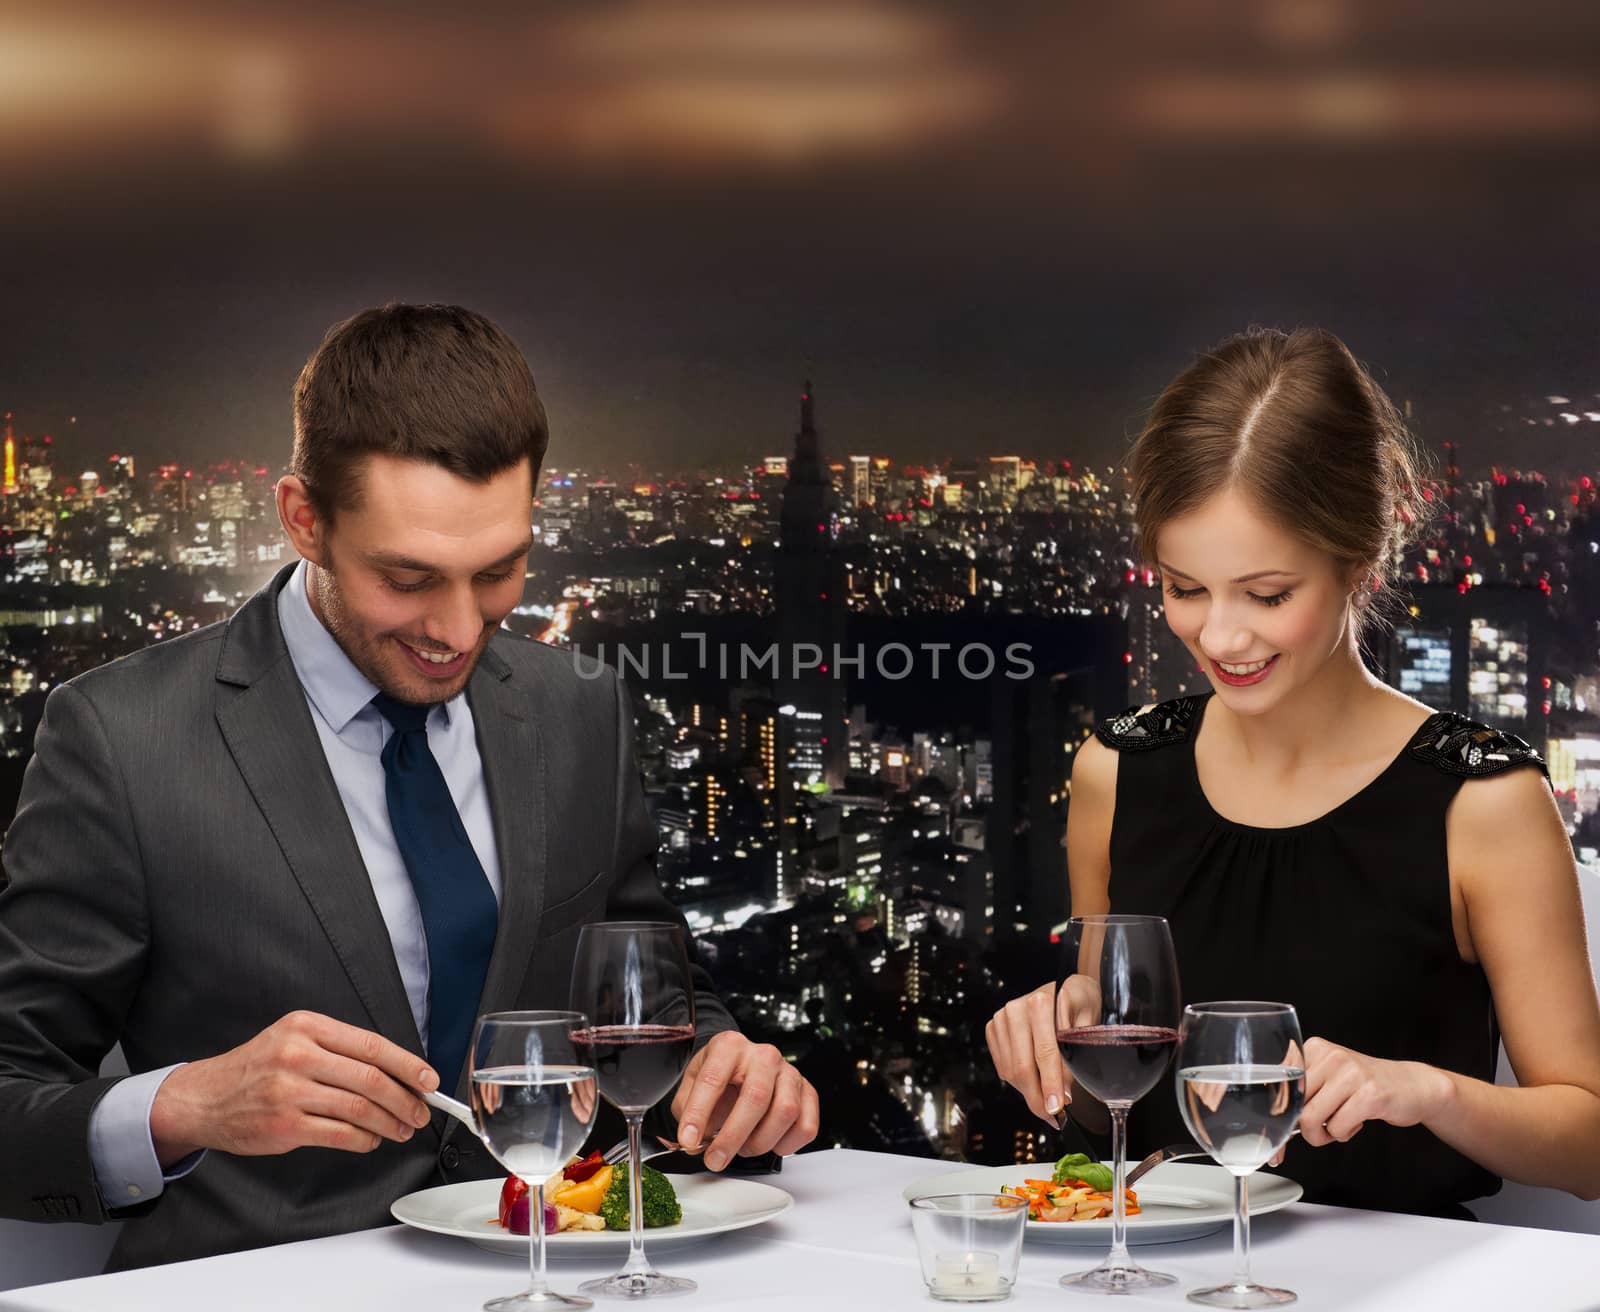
[580, 1171]
[513, 1193]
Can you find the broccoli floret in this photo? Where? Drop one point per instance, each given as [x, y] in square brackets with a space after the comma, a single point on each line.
[661, 1206]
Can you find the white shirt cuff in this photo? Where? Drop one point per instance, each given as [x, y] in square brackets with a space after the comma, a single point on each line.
[121, 1148]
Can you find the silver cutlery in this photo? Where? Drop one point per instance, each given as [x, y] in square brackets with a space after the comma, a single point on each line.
[443, 1102]
[1171, 1153]
[618, 1152]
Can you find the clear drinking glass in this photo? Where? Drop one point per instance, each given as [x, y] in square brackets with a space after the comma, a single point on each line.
[1241, 1084]
[1129, 962]
[969, 1244]
[632, 979]
[534, 1101]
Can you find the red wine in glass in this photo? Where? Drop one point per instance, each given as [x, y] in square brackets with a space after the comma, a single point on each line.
[1122, 979]
[636, 1065]
[634, 979]
[1116, 1063]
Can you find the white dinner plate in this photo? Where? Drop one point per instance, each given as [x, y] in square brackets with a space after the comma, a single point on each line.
[712, 1205]
[1177, 1200]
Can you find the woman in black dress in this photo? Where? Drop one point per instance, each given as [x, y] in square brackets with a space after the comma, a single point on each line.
[1401, 875]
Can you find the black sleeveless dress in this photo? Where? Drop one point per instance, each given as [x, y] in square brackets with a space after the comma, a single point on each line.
[1347, 917]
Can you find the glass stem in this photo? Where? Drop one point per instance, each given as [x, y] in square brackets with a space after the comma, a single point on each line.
[1241, 1233]
[1118, 1257]
[536, 1237]
[636, 1264]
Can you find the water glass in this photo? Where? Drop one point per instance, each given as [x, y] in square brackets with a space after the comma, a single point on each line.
[534, 1102]
[1241, 1084]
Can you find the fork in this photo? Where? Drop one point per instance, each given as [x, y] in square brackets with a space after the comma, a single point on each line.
[618, 1152]
[1173, 1152]
[762, 1164]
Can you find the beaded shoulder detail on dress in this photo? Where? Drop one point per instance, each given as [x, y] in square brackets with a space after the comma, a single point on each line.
[1141, 728]
[1452, 743]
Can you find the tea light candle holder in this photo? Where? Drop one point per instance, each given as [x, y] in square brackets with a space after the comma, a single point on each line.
[969, 1244]
[967, 1275]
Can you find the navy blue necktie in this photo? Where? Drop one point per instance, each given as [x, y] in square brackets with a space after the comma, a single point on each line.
[459, 913]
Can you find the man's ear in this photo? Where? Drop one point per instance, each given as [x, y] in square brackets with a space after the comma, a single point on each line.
[305, 528]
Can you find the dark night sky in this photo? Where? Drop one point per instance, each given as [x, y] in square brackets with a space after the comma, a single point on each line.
[1023, 281]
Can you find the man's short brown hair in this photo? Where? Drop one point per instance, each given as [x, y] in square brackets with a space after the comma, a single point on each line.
[424, 382]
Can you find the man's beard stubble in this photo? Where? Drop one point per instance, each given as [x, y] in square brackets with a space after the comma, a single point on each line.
[364, 654]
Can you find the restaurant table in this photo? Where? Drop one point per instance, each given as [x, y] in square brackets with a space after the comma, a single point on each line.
[847, 1243]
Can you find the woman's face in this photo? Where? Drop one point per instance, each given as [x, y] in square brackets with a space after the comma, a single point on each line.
[1262, 612]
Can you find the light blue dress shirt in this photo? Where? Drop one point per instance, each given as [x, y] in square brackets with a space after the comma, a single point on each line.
[353, 734]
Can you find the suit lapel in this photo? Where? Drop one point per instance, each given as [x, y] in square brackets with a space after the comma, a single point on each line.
[264, 719]
[511, 749]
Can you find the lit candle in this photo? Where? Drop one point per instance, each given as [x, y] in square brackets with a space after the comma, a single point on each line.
[967, 1275]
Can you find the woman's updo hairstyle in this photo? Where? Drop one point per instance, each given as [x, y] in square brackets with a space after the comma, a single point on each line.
[1300, 427]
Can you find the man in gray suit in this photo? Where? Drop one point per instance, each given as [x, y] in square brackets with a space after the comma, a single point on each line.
[286, 859]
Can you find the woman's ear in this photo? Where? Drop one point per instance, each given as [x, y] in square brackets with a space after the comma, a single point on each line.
[1362, 581]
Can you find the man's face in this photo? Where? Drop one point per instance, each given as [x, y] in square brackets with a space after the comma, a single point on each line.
[414, 582]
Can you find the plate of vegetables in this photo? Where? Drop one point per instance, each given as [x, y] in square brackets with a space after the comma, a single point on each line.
[1071, 1203]
[586, 1209]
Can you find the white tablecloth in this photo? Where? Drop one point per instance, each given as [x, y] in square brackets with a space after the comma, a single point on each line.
[848, 1244]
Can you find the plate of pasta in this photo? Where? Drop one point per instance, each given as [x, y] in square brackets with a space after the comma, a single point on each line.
[1177, 1201]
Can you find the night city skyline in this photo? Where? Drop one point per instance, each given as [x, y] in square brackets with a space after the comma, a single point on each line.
[870, 864]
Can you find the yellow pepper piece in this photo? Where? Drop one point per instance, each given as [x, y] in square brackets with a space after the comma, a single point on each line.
[587, 1195]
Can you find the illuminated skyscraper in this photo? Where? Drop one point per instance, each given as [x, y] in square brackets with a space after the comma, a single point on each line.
[860, 481]
[1423, 664]
[1486, 652]
[1005, 480]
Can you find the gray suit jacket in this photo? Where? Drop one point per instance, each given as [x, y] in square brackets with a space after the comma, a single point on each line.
[182, 874]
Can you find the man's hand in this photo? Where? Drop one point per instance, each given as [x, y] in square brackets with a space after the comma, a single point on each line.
[748, 1097]
[1022, 1042]
[308, 1081]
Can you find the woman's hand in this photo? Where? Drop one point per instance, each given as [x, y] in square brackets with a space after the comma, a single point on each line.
[1022, 1042]
[1345, 1090]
